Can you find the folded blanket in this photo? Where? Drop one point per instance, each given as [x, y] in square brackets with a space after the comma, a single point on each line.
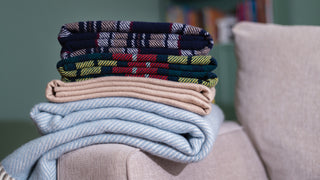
[182, 39]
[207, 82]
[129, 36]
[155, 128]
[177, 68]
[193, 97]
[104, 68]
[186, 63]
[68, 65]
[134, 43]
[162, 51]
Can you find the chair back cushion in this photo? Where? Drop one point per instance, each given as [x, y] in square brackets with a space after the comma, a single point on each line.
[278, 96]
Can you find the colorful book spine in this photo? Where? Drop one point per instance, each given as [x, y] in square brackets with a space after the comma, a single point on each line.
[207, 17]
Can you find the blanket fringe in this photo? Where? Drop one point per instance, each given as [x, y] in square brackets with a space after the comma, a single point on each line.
[4, 175]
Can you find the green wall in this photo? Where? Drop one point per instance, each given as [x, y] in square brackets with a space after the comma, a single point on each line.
[297, 12]
[29, 46]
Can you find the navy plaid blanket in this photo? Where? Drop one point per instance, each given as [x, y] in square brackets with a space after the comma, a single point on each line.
[133, 37]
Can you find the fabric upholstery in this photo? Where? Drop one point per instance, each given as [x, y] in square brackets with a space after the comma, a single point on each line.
[104, 161]
[278, 96]
[232, 157]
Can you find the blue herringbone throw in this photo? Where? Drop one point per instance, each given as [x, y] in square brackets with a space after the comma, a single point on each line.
[158, 129]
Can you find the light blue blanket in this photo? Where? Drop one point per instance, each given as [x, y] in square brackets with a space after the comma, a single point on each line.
[158, 129]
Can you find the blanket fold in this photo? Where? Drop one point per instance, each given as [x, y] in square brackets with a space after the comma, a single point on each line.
[189, 69]
[193, 97]
[206, 82]
[4, 175]
[155, 128]
[134, 51]
[173, 44]
[187, 63]
[75, 65]
[103, 70]
[128, 36]
[133, 36]
[186, 60]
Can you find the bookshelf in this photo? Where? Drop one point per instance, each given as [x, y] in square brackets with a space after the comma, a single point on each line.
[217, 17]
[285, 12]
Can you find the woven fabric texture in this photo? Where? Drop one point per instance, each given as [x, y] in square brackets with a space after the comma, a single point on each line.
[158, 129]
[106, 68]
[164, 51]
[74, 65]
[167, 61]
[4, 175]
[189, 96]
[189, 69]
[133, 37]
[207, 82]
[277, 96]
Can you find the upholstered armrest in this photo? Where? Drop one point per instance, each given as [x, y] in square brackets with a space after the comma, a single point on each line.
[232, 157]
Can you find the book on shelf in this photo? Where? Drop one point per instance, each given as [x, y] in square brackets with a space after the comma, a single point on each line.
[210, 17]
[185, 15]
[255, 10]
[219, 23]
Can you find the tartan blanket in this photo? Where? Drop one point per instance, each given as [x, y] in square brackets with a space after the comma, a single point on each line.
[211, 82]
[190, 69]
[107, 67]
[134, 43]
[207, 82]
[133, 36]
[164, 51]
[155, 128]
[129, 36]
[185, 63]
[192, 97]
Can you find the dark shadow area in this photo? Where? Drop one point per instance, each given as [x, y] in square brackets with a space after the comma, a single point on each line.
[14, 134]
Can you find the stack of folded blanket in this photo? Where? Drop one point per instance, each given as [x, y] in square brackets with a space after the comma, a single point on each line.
[170, 51]
[133, 37]
[146, 85]
[190, 69]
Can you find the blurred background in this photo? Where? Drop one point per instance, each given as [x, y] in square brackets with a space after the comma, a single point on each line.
[30, 50]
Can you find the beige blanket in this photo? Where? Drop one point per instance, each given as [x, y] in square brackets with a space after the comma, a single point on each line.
[193, 97]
